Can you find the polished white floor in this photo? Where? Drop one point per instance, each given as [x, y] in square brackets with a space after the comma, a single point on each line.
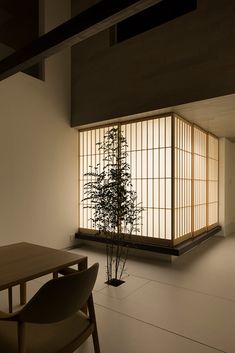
[187, 306]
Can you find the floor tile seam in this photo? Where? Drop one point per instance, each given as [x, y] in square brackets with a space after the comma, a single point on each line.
[124, 297]
[134, 291]
[161, 282]
[187, 289]
[161, 328]
[99, 290]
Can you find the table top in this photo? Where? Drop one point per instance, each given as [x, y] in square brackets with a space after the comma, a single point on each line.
[22, 262]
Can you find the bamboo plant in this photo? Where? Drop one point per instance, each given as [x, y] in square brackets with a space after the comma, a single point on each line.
[109, 193]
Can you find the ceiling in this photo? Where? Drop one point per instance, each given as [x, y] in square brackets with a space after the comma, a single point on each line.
[216, 115]
[18, 22]
[19, 26]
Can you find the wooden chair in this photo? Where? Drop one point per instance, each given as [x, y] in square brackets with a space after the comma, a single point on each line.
[52, 321]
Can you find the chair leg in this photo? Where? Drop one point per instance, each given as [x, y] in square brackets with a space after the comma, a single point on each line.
[93, 320]
[10, 299]
[96, 340]
[21, 337]
[81, 267]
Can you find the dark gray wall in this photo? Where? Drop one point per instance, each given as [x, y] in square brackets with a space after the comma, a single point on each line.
[188, 59]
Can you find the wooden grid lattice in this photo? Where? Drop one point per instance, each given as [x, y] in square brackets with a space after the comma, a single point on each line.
[174, 169]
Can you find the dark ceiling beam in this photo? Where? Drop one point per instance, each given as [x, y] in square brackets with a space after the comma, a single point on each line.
[97, 18]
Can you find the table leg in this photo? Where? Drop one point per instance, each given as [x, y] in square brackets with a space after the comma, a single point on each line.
[10, 299]
[23, 295]
[55, 275]
[81, 267]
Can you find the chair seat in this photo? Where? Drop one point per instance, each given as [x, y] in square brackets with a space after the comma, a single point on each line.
[43, 338]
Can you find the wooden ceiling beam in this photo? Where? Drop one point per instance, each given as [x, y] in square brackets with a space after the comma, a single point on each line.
[97, 18]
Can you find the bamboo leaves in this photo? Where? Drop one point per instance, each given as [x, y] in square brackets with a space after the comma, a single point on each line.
[110, 194]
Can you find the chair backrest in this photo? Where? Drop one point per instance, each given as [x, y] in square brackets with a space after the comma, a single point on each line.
[60, 298]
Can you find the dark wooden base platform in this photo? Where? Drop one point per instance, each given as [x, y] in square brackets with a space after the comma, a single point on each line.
[162, 249]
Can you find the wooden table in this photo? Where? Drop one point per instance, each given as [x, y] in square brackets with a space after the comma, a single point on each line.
[22, 262]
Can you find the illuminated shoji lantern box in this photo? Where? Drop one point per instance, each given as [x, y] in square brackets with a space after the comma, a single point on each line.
[174, 170]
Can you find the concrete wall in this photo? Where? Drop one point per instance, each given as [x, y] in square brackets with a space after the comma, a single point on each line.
[188, 59]
[38, 151]
[232, 185]
[79, 6]
[5, 51]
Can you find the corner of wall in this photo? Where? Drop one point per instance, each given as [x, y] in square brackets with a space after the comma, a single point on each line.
[226, 186]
